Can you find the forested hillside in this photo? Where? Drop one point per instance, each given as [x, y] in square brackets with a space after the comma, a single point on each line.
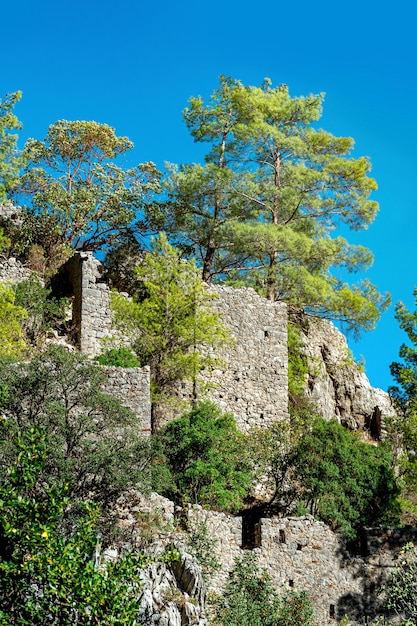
[264, 210]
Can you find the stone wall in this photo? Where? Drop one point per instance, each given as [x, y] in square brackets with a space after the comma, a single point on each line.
[11, 212]
[132, 387]
[253, 385]
[80, 277]
[304, 554]
[13, 271]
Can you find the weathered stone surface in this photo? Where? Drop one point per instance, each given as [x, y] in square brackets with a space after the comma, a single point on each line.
[12, 270]
[131, 385]
[252, 382]
[298, 553]
[337, 384]
[173, 594]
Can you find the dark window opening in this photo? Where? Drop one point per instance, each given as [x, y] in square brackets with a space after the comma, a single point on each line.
[299, 546]
[266, 333]
[251, 529]
[261, 416]
[282, 536]
[291, 583]
[332, 611]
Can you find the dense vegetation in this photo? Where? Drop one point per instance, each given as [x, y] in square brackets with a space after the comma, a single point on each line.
[260, 211]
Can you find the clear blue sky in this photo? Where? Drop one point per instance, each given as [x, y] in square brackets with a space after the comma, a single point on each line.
[134, 64]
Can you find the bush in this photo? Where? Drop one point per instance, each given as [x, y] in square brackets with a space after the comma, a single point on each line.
[345, 482]
[43, 310]
[250, 599]
[93, 443]
[203, 459]
[118, 357]
[45, 576]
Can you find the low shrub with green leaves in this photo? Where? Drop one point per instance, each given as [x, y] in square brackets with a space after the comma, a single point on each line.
[344, 481]
[47, 576]
[93, 441]
[202, 458]
[251, 600]
[44, 311]
[118, 357]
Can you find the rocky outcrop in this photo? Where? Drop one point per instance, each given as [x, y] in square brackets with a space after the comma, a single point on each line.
[337, 385]
[173, 594]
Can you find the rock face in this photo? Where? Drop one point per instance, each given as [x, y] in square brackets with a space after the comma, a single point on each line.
[337, 384]
[173, 595]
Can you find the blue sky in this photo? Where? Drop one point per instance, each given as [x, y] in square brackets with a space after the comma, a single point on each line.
[134, 64]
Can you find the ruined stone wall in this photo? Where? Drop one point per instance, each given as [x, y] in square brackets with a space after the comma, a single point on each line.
[91, 314]
[252, 381]
[12, 270]
[304, 554]
[131, 385]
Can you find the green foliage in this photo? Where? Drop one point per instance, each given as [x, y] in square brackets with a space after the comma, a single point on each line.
[205, 457]
[318, 467]
[12, 316]
[266, 202]
[344, 481]
[169, 321]
[297, 362]
[10, 159]
[4, 241]
[251, 599]
[45, 576]
[170, 553]
[403, 426]
[404, 393]
[93, 443]
[201, 545]
[118, 357]
[43, 310]
[80, 197]
[401, 589]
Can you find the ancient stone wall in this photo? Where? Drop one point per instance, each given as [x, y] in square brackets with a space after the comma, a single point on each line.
[11, 212]
[13, 271]
[131, 385]
[304, 554]
[252, 382]
[253, 385]
[80, 277]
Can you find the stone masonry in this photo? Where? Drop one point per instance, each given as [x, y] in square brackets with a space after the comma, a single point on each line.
[131, 386]
[253, 385]
[91, 314]
[303, 554]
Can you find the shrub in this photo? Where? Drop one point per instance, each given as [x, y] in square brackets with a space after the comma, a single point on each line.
[204, 458]
[250, 599]
[118, 357]
[45, 576]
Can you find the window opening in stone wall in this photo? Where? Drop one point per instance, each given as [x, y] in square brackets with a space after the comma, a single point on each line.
[251, 529]
[291, 583]
[282, 536]
[266, 334]
[332, 611]
[299, 546]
